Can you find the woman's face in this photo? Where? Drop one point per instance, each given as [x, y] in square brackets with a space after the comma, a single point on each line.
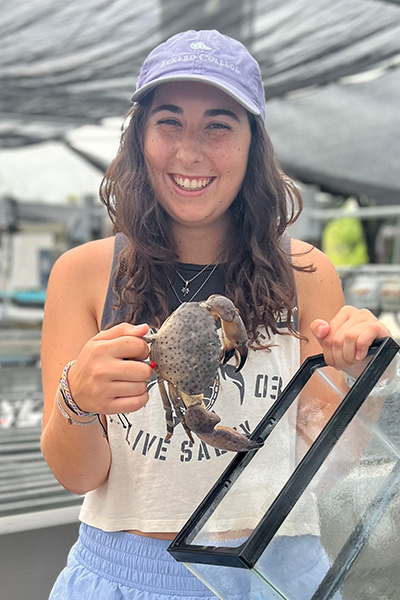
[197, 143]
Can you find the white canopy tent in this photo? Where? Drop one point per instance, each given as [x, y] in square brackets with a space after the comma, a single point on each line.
[48, 172]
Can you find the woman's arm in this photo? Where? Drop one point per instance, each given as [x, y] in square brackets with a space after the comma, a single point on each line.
[101, 380]
[342, 333]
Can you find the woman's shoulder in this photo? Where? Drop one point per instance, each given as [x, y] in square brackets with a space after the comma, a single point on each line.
[319, 289]
[83, 271]
[87, 258]
[305, 255]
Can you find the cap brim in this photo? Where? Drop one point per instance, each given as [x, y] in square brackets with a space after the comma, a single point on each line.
[230, 90]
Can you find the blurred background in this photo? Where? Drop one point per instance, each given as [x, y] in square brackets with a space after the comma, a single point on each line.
[331, 72]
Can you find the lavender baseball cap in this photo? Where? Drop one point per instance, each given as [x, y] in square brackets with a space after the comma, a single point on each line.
[209, 57]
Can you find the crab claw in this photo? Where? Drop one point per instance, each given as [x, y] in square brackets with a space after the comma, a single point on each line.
[233, 329]
[200, 420]
[241, 355]
[204, 424]
[226, 438]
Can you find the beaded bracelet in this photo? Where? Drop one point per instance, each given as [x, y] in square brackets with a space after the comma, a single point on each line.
[68, 417]
[67, 396]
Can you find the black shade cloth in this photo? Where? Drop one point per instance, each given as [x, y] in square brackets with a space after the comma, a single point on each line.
[64, 64]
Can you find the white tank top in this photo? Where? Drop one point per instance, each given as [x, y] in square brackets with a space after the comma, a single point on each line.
[155, 485]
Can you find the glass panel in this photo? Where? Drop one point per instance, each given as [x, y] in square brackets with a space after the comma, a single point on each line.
[356, 494]
[347, 521]
[251, 495]
[229, 583]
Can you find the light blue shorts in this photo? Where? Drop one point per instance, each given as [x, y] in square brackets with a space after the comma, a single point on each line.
[123, 566]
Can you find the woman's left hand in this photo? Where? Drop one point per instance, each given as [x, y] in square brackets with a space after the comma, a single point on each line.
[346, 338]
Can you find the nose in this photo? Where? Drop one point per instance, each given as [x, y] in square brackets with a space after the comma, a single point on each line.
[189, 149]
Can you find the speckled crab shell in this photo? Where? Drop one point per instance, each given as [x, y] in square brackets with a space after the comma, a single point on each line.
[188, 349]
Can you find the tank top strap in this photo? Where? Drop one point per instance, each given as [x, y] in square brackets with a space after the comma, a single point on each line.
[110, 314]
[285, 243]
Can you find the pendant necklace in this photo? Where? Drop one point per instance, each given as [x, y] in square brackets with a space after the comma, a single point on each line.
[197, 291]
[185, 289]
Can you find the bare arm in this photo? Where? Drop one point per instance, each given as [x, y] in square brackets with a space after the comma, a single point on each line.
[101, 381]
[319, 294]
[342, 333]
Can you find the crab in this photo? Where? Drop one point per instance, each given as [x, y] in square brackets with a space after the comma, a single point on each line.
[186, 352]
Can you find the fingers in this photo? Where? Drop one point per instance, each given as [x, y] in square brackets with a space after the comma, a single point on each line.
[129, 347]
[366, 336]
[348, 336]
[320, 329]
[131, 370]
[129, 398]
[127, 404]
[123, 329]
[128, 389]
[109, 374]
[123, 341]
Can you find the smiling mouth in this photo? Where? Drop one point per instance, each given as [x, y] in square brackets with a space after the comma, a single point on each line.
[192, 183]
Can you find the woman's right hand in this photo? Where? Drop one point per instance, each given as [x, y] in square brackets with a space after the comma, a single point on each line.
[109, 375]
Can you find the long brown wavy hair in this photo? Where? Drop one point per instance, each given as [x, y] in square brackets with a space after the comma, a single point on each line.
[259, 276]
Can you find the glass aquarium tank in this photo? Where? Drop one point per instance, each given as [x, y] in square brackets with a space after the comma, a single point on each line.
[314, 514]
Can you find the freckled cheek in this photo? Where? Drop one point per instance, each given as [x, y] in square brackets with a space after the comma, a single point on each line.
[236, 164]
[156, 153]
[154, 173]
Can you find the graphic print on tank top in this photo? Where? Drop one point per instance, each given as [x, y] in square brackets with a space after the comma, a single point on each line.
[241, 399]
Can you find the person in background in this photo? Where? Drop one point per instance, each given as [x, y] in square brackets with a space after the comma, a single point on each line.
[200, 206]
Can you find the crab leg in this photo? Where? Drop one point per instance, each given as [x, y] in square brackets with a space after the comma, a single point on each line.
[167, 407]
[178, 409]
[233, 329]
[197, 417]
[204, 424]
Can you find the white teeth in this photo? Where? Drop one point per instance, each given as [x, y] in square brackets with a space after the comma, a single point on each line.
[194, 184]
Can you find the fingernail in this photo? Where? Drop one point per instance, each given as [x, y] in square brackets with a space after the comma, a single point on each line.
[153, 364]
[140, 325]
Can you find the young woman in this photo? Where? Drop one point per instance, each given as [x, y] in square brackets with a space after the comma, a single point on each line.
[199, 207]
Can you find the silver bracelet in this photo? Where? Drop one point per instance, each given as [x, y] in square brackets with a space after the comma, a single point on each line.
[68, 417]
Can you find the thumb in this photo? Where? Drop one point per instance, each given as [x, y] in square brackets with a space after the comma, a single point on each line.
[320, 329]
[141, 329]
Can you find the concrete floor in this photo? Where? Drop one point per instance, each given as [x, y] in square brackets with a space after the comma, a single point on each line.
[30, 561]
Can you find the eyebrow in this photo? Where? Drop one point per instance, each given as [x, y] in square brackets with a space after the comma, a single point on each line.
[170, 107]
[212, 112]
[215, 112]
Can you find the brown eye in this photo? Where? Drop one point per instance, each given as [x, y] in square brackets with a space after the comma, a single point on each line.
[172, 122]
[218, 126]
